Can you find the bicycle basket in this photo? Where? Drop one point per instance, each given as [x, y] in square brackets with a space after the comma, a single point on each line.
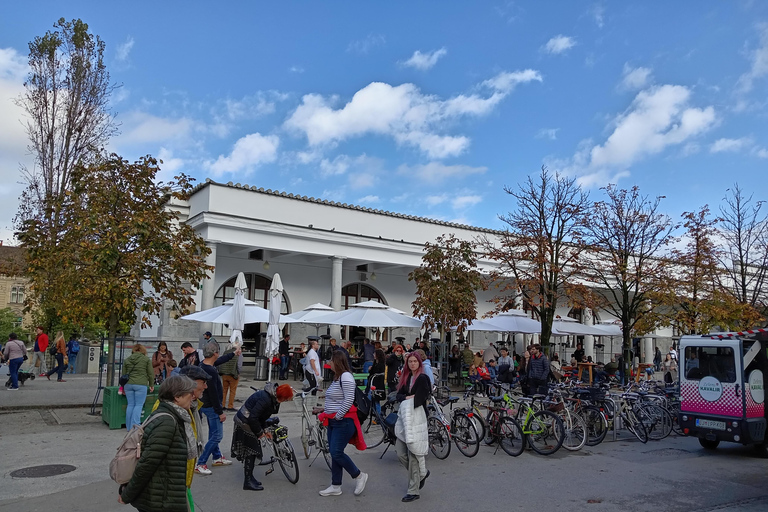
[281, 433]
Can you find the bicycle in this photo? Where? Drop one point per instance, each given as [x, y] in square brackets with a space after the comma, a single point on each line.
[438, 427]
[576, 431]
[313, 433]
[282, 450]
[375, 428]
[503, 429]
[543, 429]
[462, 429]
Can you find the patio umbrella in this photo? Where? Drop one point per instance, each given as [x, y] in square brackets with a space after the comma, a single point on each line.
[482, 325]
[223, 314]
[273, 329]
[370, 314]
[566, 326]
[238, 310]
[515, 321]
[309, 313]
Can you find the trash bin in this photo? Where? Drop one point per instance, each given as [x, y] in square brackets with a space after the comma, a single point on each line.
[262, 368]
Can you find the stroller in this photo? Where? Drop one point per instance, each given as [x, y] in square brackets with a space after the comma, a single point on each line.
[24, 375]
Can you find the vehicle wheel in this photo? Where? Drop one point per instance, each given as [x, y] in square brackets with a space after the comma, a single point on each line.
[287, 460]
[597, 425]
[373, 431]
[481, 425]
[545, 432]
[439, 438]
[634, 425]
[575, 432]
[306, 435]
[511, 436]
[322, 434]
[465, 435]
[657, 421]
[709, 445]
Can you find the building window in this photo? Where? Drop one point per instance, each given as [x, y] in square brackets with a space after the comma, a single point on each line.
[358, 292]
[17, 294]
[258, 292]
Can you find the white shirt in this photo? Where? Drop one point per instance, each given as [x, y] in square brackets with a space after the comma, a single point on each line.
[312, 356]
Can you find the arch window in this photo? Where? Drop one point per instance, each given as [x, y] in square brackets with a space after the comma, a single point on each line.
[258, 292]
[359, 292]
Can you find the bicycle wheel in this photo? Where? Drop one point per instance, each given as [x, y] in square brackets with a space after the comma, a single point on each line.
[286, 457]
[439, 438]
[634, 425]
[489, 436]
[465, 435]
[373, 431]
[322, 435]
[306, 435]
[597, 425]
[657, 421]
[545, 432]
[575, 431]
[511, 436]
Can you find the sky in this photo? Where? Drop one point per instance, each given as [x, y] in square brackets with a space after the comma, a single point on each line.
[423, 108]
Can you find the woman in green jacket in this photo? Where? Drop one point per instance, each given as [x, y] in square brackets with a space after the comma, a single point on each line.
[160, 482]
[141, 377]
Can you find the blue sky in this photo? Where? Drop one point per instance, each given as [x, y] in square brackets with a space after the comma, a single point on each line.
[424, 108]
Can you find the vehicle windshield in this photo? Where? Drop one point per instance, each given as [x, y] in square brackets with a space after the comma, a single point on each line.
[717, 362]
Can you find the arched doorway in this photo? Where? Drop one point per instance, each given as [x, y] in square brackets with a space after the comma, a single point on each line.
[258, 288]
[352, 294]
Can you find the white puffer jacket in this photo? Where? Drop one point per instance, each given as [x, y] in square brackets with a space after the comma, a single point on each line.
[411, 427]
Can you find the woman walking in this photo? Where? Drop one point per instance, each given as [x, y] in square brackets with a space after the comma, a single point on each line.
[138, 367]
[160, 362]
[14, 352]
[343, 426]
[411, 429]
[670, 370]
[60, 355]
[250, 422]
[163, 474]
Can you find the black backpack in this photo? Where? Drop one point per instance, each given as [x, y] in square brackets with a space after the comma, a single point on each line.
[363, 404]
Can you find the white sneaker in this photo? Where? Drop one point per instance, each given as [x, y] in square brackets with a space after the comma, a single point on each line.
[222, 462]
[360, 482]
[333, 490]
[202, 469]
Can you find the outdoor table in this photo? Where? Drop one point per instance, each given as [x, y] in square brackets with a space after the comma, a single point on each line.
[589, 368]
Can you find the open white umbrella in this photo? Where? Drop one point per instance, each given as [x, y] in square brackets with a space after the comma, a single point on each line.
[238, 310]
[482, 325]
[515, 321]
[309, 313]
[224, 314]
[273, 329]
[369, 314]
[566, 326]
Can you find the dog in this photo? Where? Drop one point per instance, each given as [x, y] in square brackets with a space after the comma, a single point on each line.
[24, 375]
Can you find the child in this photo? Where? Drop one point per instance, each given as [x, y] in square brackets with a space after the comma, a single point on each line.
[492, 369]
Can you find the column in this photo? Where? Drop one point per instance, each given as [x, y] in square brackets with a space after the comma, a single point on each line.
[589, 340]
[209, 290]
[648, 350]
[336, 270]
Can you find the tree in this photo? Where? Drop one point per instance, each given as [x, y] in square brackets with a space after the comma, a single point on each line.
[539, 257]
[744, 230]
[8, 323]
[626, 233]
[123, 248]
[446, 283]
[66, 101]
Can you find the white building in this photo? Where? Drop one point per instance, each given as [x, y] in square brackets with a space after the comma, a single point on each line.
[327, 252]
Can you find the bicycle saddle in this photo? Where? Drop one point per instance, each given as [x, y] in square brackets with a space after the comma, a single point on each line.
[539, 397]
[271, 422]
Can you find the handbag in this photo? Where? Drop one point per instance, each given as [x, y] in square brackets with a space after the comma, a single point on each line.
[52, 350]
[124, 379]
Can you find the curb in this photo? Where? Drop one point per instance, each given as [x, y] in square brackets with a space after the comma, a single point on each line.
[15, 408]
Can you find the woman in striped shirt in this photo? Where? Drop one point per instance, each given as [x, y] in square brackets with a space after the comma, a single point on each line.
[341, 425]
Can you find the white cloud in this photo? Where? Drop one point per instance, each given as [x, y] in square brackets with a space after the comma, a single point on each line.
[123, 50]
[730, 145]
[636, 78]
[141, 128]
[760, 152]
[253, 106]
[559, 44]
[658, 118]
[362, 171]
[424, 61]
[435, 200]
[759, 58]
[598, 14]
[547, 133]
[402, 112]
[462, 202]
[369, 199]
[249, 152]
[363, 46]
[436, 172]
[296, 69]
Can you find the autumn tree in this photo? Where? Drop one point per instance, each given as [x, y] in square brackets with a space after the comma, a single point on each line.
[539, 255]
[627, 233]
[66, 101]
[744, 231]
[446, 283]
[123, 249]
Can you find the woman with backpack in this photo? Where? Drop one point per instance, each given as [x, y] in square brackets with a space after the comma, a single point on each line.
[343, 426]
[163, 474]
[73, 349]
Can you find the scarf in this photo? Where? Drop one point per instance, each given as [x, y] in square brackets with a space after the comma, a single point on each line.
[188, 432]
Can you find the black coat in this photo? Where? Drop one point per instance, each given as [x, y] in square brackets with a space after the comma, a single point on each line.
[394, 363]
[259, 407]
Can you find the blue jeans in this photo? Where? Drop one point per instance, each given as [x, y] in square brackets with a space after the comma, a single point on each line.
[367, 366]
[339, 434]
[284, 366]
[136, 395]
[72, 363]
[60, 367]
[215, 435]
[13, 368]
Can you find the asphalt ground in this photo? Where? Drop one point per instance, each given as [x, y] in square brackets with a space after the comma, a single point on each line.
[46, 423]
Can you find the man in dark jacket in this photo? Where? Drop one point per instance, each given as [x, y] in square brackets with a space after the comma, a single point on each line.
[538, 370]
[285, 356]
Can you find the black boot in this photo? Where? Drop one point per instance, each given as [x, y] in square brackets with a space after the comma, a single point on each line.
[250, 483]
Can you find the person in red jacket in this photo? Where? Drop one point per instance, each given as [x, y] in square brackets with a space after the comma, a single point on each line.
[41, 345]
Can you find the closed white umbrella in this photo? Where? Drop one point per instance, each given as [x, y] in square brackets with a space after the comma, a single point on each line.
[238, 310]
[273, 329]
